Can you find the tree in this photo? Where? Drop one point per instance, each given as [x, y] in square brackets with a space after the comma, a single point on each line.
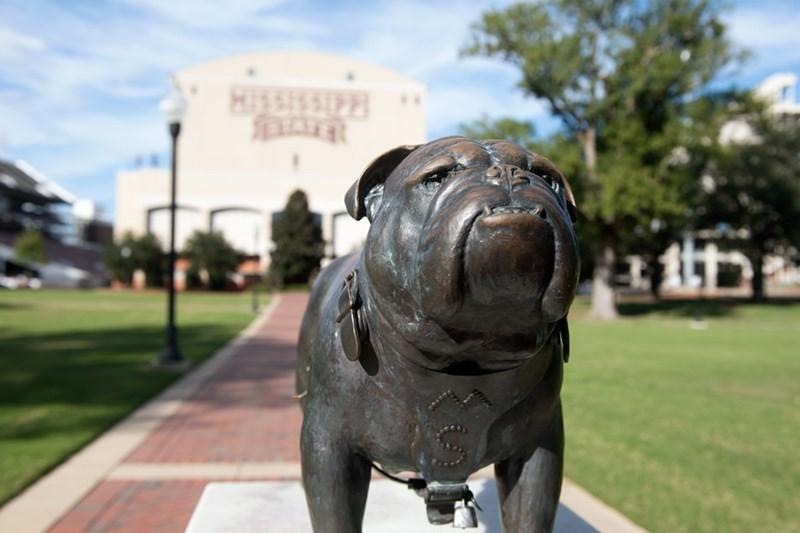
[617, 73]
[149, 257]
[29, 246]
[752, 182]
[299, 247]
[125, 256]
[510, 129]
[210, 252]
[118, 258]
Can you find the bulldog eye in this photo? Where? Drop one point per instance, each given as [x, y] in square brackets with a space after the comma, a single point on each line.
[435, 179]
[552, 182]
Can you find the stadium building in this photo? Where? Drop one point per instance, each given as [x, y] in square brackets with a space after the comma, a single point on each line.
[259, 126]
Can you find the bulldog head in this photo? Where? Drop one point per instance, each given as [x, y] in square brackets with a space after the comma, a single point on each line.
[471, 251]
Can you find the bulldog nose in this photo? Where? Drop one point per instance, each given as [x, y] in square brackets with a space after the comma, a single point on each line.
[508, 176]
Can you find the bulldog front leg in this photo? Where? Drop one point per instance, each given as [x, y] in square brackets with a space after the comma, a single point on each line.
[529, 487]
[335, 479]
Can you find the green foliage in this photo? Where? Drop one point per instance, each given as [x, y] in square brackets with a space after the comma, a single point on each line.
[520, 132]
[210, 252]
[117, 256]
[298, 243]
[596, 61]
[752, 185]
[618, 74]
[29, 246]
[149, 256]
[130, 253]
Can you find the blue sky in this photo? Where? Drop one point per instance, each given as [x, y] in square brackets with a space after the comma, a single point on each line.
[80, 80]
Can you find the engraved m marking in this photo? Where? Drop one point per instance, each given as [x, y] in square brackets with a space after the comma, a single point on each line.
[473, 398]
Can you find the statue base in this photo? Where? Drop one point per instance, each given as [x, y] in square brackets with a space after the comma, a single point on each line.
[280, 506]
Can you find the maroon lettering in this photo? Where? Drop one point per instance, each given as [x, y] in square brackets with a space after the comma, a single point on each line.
[282, 111]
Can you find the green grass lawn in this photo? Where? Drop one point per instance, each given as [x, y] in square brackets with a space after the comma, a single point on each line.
[689, 430]
[74, 362]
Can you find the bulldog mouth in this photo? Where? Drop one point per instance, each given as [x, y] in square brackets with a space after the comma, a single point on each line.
[513, 209]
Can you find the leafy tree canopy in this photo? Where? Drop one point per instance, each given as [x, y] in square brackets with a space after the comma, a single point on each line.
[210, 252]
[125, 256]
[751, 185]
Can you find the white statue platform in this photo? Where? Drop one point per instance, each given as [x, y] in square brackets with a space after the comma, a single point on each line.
[280, 507]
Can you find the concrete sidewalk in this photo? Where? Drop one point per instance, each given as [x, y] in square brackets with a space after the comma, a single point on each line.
[232, 419]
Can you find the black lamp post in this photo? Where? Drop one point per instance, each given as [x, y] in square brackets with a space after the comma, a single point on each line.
[173, 107]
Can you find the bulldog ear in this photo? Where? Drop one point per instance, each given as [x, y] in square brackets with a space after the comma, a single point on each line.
[364, 196]
[545, 167]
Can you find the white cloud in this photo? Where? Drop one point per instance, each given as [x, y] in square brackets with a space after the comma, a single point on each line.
[13, 43]
[194, 14]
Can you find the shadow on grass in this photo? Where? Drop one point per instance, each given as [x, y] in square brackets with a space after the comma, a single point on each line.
[100, 375]
[707, 307]
[14, 305]
[58, 391]
[679, 308]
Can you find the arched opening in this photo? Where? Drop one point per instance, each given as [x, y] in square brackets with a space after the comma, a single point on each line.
[243, 227]
[187, 220]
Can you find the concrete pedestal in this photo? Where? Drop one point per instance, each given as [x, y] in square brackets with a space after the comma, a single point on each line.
[280, 507]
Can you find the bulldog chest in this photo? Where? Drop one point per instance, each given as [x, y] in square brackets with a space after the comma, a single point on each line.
[451, 416]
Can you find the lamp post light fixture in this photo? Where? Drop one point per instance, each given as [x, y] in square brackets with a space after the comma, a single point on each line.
[174, 108]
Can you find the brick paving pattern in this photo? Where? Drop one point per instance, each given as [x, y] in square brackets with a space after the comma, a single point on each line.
[244, 413]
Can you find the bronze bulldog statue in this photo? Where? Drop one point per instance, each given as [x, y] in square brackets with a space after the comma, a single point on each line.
[439, 348]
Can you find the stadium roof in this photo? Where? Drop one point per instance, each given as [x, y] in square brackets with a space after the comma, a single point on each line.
[21, 178]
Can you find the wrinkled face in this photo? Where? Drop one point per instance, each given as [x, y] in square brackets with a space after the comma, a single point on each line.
[472, 249]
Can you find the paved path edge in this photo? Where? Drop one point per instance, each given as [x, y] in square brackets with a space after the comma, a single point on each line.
[40, 505]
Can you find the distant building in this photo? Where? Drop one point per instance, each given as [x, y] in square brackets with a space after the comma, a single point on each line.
[89, 228]
[28, 200]
[261, 125]
[780, 90]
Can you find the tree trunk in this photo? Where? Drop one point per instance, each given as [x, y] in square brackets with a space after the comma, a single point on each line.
[604, 302]
[588, 140]
[757, 283]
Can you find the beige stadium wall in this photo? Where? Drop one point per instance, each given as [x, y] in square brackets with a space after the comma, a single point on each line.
[259, 126]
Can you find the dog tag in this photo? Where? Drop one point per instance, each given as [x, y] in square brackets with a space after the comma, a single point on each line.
[464, 516]
[352, 326]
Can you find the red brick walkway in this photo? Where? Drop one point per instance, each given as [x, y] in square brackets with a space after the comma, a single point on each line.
[241, 424]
